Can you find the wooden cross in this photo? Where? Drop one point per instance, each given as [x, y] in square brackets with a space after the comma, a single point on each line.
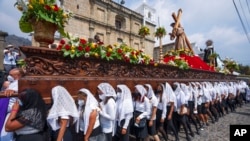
[177, 25]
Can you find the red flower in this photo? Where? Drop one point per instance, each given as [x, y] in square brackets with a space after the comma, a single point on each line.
[108, 54]
[100, 43]
[59, 47]
[56, 8]
[47, 7]
[127, 59]
[87, 48]
[83, 41]
[62, 42]
[67, 47]
[137, 53]
[119, 51]
[80, 48]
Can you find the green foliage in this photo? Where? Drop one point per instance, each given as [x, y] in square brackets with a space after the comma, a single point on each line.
[160, 32]
[41, 10]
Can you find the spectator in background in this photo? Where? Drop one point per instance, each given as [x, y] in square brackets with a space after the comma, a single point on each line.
[62, 114]
[28, 117]
[11, 54]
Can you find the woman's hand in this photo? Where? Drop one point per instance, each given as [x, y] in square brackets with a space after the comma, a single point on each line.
[86, 138]
[137, 120]
[124, 131]
[150, 123]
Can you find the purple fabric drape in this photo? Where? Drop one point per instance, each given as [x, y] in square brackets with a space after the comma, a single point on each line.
[4, 102]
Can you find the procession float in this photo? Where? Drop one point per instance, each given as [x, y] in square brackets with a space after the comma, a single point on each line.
[77, 63]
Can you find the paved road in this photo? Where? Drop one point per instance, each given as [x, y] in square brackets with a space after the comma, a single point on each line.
[220, 130]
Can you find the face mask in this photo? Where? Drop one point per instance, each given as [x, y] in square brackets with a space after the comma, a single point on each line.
[174, 88]
[119, 94]
[101, 96]
[158, 92]
[20, 102]
[80, 102]
[10, 78]
[136, 94]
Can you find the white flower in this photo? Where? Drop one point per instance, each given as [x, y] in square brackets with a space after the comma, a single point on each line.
[86, 55]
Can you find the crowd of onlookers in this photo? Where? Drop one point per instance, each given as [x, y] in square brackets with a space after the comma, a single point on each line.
[116, 112]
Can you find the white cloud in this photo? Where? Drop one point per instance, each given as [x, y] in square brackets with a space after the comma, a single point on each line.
[202, 20]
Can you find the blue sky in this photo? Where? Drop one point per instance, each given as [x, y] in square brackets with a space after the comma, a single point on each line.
[202, 20]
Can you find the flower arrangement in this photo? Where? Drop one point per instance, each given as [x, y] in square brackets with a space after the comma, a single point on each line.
[179, 62]
[230, 64]
[144, 31]
[178, 52]
[42, 10]
[77, 47]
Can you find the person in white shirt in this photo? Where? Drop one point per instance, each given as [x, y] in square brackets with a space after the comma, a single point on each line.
[88, 122]
[200, 109]
[141, 111]
[7, 103]
[206, 102]
[192, 105]
[161, 109]
[10, 57]
[171, 114]
[62, 114]
[107, 105]
[124, 113]
[151, 119]
[181, 109]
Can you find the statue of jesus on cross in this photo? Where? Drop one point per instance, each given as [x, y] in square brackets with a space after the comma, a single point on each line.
[181, 41]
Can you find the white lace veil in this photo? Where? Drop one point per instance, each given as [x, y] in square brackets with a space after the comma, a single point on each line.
[141, 90]
[125, 102]
[90, 104]
[107, 89]
[63, 105]
[150, 93]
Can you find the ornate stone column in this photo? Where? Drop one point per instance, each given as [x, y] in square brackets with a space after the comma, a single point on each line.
[2, 45]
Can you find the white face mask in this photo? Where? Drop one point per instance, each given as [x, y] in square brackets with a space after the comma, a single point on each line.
[119, 94]
[102, 96]
[10, 78]
[20, 102]
[80, 102]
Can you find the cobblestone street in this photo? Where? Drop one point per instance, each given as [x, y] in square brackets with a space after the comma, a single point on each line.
[219, 131]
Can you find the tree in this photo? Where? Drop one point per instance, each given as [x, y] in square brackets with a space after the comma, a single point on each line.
[159, 34]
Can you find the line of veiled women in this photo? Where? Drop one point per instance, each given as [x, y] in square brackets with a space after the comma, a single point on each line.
[117, 113]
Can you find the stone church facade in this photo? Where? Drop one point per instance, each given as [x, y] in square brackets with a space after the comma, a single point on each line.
[113, 22]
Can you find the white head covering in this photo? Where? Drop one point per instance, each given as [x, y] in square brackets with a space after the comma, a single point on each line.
[90, 104]
[125, 103]
[150, 93]
[63, 105]
[141, 90]
[107, 89]
[178, 88]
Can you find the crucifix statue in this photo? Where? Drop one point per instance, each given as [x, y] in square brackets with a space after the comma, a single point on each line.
[181, 41]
